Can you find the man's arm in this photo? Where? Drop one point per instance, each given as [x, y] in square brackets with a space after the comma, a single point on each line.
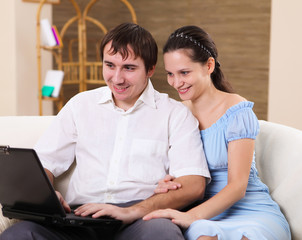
[49, 175]
[193, 188]
[59, 195]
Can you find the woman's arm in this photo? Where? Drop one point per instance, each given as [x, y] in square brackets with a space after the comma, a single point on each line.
[240, 156]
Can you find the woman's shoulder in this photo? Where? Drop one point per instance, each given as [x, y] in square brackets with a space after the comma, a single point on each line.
[237, 105]
[233, 99]
[240, 119]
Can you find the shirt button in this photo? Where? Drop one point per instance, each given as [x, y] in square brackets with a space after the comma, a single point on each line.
[111, 182]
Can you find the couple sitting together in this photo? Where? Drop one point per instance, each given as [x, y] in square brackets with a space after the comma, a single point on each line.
[143, 157]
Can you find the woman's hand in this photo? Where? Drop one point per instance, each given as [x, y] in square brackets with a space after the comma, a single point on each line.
[167, 184]
[182, 219]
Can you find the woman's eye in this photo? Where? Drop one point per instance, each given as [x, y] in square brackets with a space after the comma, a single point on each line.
[169, 74]
[184, 72]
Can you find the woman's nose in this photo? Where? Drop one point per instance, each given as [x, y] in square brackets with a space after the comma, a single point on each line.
[177, 82]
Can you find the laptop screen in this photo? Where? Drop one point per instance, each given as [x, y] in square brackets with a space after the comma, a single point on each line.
[24, 184]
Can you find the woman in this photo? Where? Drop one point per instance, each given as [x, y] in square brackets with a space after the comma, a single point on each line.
[237, 205]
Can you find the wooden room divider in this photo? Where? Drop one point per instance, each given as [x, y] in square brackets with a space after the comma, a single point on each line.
[79, 72]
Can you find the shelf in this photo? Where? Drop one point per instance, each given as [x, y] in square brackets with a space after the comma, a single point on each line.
[82, 72]
[51, 98]
[51, 48]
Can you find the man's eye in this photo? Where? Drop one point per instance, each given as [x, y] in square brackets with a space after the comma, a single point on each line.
[129, 68]
[184, 72]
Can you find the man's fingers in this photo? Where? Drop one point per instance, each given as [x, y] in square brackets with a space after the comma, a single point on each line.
[66, 206]
[96, 210]
[63, 202]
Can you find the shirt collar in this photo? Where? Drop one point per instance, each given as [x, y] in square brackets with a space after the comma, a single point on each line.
[147, 97]
[106, 95]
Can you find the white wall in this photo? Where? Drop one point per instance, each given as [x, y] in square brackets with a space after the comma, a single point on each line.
[285, 77]
[18, 59]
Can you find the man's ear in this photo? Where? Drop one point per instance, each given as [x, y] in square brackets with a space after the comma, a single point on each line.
[151, 72]
[211, 64]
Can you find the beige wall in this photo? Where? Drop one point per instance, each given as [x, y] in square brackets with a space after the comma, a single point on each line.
[18, 64]
[285, 79]
[8, 102]
[240, 29]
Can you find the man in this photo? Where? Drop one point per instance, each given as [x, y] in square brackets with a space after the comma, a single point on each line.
[125, 137]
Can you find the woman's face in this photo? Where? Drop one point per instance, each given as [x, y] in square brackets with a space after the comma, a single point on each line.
[189, 78]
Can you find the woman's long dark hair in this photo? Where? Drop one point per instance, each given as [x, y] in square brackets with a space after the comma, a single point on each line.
[202, 47]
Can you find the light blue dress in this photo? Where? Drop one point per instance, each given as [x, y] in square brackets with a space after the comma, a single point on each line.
[256, 216]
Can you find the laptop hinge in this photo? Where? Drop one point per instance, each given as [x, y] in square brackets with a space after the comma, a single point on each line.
[4, 149]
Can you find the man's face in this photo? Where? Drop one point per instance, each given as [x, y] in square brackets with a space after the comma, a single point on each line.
[126, 78]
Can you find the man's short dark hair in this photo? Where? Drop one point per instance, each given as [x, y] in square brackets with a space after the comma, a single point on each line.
[132, 35]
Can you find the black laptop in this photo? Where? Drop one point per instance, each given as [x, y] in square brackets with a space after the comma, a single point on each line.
[26, 193]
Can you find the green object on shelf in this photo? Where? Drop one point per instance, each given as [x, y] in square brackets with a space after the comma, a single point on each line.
[47, 91]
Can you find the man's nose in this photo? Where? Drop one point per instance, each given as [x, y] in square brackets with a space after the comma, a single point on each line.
[118, 77]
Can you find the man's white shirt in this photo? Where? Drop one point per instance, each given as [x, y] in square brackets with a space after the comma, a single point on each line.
[120, 155]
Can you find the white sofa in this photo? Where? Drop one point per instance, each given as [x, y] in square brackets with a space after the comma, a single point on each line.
[278, 158]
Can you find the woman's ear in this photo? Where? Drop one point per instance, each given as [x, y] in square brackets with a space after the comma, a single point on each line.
[211, 65]
[151, 72]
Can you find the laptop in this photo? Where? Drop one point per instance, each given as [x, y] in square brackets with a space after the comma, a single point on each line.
[27, 194]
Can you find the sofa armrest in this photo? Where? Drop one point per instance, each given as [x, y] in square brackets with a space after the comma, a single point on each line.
[60, 184]
[5, 222]
[279, 162]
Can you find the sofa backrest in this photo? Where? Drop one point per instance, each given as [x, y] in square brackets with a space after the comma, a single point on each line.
[279, 162]
[278, 159]
[22, 131]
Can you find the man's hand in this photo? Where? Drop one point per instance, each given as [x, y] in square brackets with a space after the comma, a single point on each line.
[98, 210]
[182, 219]
[63, 202]
[192, 188]
[167, 184]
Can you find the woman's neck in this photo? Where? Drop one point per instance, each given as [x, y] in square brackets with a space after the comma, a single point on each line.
[207, 100]
[208, 108]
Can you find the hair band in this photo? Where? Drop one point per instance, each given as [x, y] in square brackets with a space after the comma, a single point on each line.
[181, 35]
